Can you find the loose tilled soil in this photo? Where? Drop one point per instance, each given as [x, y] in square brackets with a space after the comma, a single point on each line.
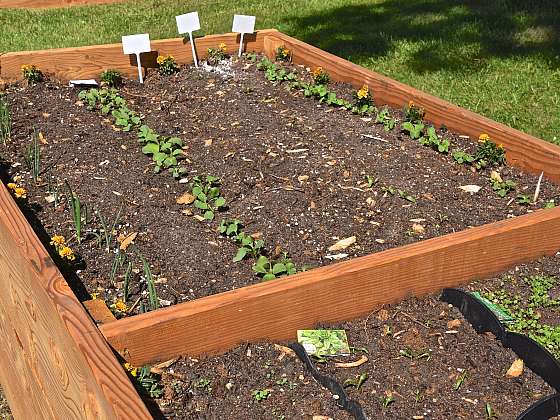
[291, 170]
[5, 413]
[422, 386]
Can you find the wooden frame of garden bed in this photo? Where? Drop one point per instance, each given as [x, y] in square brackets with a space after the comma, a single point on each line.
[55, 356]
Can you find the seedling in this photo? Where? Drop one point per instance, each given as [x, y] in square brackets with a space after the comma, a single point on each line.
[249, 246]
[489, 411]
[357, 382]
[523, 199]
[126, 283]
[412, 354]
[5, 120]
[33, 156]
[502, 188]
[320, 343]
[152, 294]
[111, 78]
[32, 74]
[432, 140]
[260, 394]
[108, 230]
[270, 270]
[204, 384]
[208, 196]
[371, 181]
[389, 190]
[383, 117]
[229, 227]
[167, 65]
[463, 157]
[251, 56]
[125, 118]
[406, 196]
[414, 129]
[79, 212]
[460, 380]
[165, 150]
[387, 400]
[550, 204]
[118, 261]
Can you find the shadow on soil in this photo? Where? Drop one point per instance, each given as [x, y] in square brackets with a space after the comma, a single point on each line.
[441, 34]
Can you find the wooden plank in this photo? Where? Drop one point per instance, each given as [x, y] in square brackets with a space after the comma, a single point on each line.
[275, 310]
[54, 363]
[523, 150]
[42, 4]
[89, 62]
[99, 312]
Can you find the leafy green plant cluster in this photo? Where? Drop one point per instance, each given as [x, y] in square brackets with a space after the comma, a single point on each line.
[165, 151]
[384, 117]
[323, 94]
[489, 153]
[526, 313]
[282, 54]
[111, 78]
[275, 74]
[432, 140]
[363, 101]
[402, 193]
[269, 269]
[217, 54]
[461, 157]
[260, 394]
[207, 195]
[5, 120]
[413, 113]
[109, 101]
[502, 188]
[414, 130]
[149, 382]
[320, 76]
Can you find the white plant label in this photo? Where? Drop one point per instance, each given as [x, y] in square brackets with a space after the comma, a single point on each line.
[188, 23]
[243, 24]
[137, 44]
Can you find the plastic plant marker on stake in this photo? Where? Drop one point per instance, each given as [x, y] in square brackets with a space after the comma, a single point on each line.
[243, 24]
[188, 23]
[137, 44]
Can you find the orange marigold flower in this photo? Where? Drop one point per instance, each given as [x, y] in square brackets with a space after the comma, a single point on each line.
[20, 192]
[222, 46]
[483, 137]
[411, 104]
[317, 71]
[120, 306]
[58, 241]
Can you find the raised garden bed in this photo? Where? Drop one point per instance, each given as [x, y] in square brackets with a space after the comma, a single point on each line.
[270, 132]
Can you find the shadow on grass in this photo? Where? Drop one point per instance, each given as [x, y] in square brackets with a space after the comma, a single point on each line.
[437, 34]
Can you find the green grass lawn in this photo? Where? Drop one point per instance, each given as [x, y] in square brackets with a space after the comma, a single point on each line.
[498, 58]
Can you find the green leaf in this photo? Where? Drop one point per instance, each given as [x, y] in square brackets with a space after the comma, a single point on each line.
[269, 276]
[209, 215]
[200, 205]
[196, 190]
[241, 253]
[150, 148]
[278, 268]
[220, 202]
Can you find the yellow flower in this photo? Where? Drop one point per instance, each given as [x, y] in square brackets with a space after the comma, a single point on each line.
[66, 252]
[160, 59]
[27, 67]
[11, 185]
[94, 296]
[501, 146]
[20, 192]
[133, 370]
[285, 52]
[483, 138]
[363, 93]
[222, 47]
[58, 240]
[120, 306]
[411, 104]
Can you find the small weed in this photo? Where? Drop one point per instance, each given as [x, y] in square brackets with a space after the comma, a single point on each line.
[32, 74]
[523, 199]
[460, 380]
[371, 181]
[357, 382]
[5, 120]
[204, 384]
[208, 195]
[108, 230]
[406, 196]
[149, 382]
[489, 411]
[282, 54]
[249, 246]
[550, 204]
[167, 65]
[388, 399]
[384, 117]
[260, 394]
[251, 56]
[126, 283]
[111, 78]
[229, 227]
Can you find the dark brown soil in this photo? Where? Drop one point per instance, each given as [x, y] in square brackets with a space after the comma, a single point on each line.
[5, 413]
[221, 387]
[260, 140]
[423, 386]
